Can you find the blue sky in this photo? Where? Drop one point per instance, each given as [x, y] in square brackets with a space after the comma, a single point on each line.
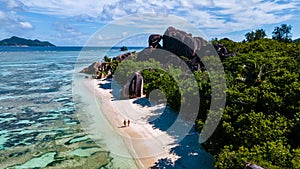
[72, 23]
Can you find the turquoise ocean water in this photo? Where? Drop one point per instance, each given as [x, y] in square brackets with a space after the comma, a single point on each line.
[38, 125]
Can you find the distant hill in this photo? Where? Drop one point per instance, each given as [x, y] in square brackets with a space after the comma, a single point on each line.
[296, 40]
[16, 41]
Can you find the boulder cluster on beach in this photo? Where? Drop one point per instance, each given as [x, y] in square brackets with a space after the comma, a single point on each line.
[174, 42]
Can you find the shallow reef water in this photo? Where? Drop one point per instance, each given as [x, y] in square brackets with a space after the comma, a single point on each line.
[38, 123]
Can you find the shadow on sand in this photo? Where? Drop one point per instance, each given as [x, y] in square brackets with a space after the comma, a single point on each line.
[105, 86]
[143, 102]
[188, 149]
[191, 155]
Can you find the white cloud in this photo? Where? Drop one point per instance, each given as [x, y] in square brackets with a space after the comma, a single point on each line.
[11, 22]
[2, 15]
[136, 25]
[124, 34]
[192, 4]
[26, 25]
[215, 17]
[68, 8]
[218, 16]
[205, 13]
[66, 28]
[67, 33]
[13, 4]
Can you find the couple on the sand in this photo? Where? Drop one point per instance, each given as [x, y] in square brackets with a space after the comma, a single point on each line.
[128, 123]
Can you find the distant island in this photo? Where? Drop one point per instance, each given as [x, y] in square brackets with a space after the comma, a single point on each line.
[17, 41]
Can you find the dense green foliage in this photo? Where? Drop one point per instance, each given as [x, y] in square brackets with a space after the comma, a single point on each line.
[282, 33]
[296, 40]
[16, 41]
[172, 80]
[261, 121]
[255, 35]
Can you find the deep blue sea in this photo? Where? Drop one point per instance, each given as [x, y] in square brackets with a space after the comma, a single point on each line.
[38, 127]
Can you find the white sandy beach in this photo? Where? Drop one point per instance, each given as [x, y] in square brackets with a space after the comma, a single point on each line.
[148, 143]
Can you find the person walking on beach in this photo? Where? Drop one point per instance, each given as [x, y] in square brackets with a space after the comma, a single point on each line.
[128, 122]
[124, 123]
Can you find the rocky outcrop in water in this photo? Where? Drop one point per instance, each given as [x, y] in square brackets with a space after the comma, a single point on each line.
[99, 70]
[92, 69]
[102, 70]
[123, 48]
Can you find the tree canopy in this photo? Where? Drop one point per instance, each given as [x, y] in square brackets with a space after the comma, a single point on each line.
[261, 119]
[282, 33]
[255, 35]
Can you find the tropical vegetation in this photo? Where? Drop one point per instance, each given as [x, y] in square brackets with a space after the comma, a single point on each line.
[261, 118]
[261, 121]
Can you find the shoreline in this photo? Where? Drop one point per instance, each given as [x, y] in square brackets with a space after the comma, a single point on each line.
[145, 144]
[152, 139]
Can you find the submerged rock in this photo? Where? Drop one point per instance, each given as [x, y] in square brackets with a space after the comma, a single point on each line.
[77, 139]
[38, 162]
[85, 151]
